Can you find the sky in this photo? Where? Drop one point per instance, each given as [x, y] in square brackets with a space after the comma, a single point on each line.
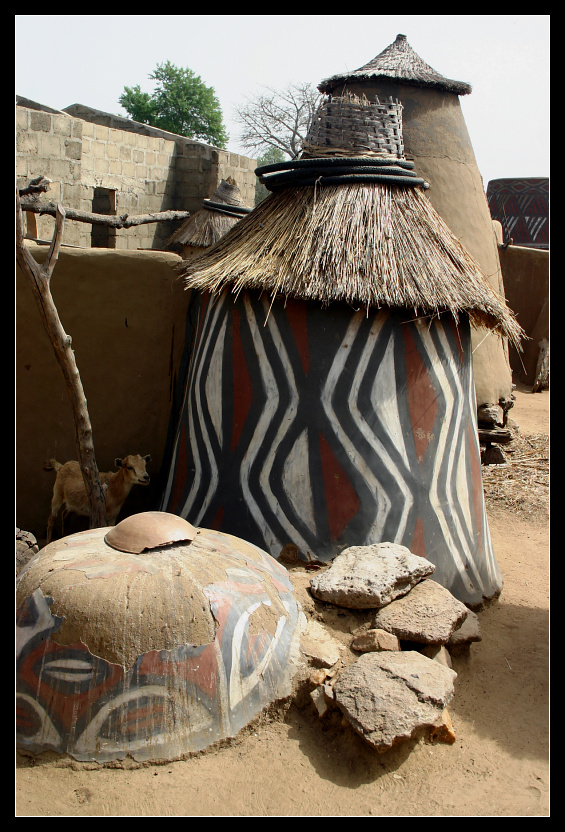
[88, 59]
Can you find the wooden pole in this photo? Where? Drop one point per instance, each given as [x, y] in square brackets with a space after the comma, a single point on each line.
[119, 221]
[40, 278]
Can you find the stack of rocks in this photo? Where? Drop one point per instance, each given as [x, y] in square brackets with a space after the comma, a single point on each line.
[403, 680]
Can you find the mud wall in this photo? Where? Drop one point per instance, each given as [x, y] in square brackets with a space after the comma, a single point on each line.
[526, 282]
[126, 313]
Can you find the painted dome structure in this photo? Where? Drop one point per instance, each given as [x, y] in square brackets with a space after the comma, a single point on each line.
[151, 639]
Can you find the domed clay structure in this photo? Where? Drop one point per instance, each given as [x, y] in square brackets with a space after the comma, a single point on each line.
[154, 652]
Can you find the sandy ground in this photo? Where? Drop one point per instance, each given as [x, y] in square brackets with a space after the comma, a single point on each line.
[296, 764]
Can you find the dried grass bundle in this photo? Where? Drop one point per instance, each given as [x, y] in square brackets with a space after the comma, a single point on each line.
[521, 485]
[203, 229]
[374, 245]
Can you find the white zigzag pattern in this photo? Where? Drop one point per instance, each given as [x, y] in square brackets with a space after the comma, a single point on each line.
[193, 395]
[272, 401]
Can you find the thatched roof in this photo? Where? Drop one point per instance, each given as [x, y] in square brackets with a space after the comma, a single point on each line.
[398, 62]
[217, 215]
[366, 244]
[352, 228]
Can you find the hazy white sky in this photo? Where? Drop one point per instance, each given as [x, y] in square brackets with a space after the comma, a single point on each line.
[89, 59]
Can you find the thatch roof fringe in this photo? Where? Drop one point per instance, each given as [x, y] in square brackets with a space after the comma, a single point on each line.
[398, 62]
[367, 245]
[353, 229]
[214, 219]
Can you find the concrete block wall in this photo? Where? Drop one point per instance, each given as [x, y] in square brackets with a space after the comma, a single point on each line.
[145, 170]
[197, 168]
[200, 168]
[139, 169]
[50, 143]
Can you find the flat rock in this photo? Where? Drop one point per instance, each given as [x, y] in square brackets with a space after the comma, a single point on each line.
[442, 730]
[468, 631]
[369, 577]
[26, 548]
[428, 614]
[319, 647]
[437, 652]
[322, 697]
[372, 641]
[388, 697]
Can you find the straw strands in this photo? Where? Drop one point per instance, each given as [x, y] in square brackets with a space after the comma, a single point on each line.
[372, 245]
[203, 229]
[521, 485]
[213, 220]
[398, 62]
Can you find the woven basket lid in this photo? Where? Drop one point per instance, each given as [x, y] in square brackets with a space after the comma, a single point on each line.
[350, 125]
[228, 192]
[398, 62]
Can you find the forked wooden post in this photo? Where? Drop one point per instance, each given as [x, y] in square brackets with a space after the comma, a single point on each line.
[40, 278]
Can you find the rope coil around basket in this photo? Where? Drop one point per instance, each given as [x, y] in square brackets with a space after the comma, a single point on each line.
[338, 171]
[224, 208]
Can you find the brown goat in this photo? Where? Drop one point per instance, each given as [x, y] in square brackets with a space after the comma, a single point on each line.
[69, 491]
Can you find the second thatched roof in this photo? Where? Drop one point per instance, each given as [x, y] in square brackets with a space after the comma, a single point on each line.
[214, 219]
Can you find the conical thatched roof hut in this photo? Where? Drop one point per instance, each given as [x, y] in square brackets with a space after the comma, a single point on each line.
[437, 140]
[214, 219]
[330, 398]
[398, 62]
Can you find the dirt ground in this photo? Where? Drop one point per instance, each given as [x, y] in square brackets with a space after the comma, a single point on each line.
[296, 764]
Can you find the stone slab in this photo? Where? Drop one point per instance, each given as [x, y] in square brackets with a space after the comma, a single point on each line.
[369, 577]
[428, 614]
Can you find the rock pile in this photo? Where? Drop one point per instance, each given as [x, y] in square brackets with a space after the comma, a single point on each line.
[402, 682]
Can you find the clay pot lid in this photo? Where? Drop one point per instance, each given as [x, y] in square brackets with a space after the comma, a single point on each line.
[149, 530]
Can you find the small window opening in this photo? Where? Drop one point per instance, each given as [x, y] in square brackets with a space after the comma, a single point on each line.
[103, 202]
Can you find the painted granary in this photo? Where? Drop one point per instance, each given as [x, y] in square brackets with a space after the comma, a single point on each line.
[330, 394]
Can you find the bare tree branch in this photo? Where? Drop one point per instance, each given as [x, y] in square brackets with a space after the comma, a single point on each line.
[278, 118]
[39, 185]
[119, 221]
[39, 277]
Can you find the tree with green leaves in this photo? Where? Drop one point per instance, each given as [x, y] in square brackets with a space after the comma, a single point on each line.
[180, 103]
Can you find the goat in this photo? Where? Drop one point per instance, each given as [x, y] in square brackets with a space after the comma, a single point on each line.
[69, 490]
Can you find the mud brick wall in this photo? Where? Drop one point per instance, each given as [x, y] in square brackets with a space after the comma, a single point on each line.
[126, 312]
